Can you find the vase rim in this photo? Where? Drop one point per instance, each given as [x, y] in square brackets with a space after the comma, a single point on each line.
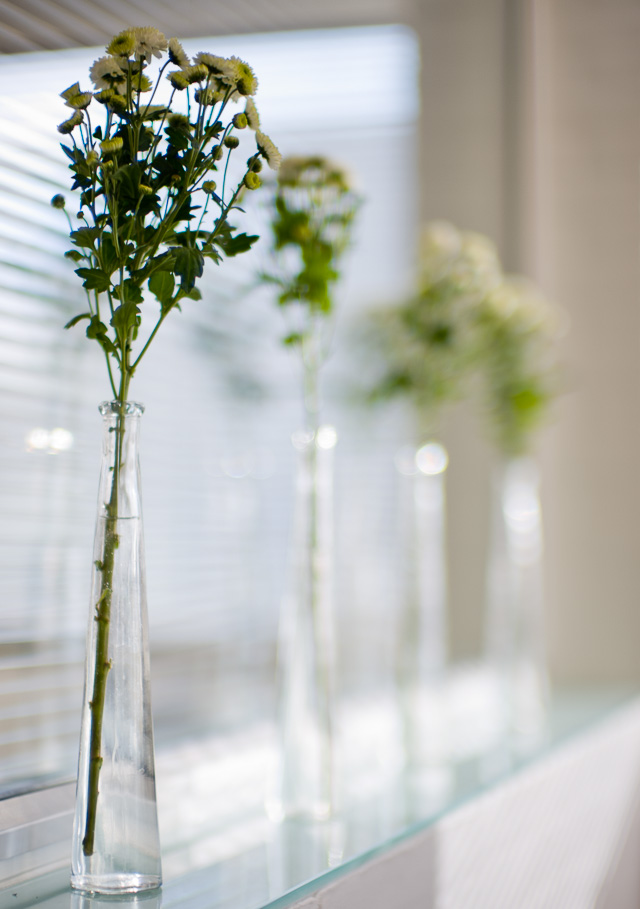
[112, 408]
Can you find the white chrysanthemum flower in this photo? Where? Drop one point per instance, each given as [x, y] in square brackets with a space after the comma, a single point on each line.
[252, 115]
[177, 54]
[268, 150]
[123, 44]
[218, 66]
[246, 81]
[440, 240]
[479, 261]
[106, 72]
[150, 42]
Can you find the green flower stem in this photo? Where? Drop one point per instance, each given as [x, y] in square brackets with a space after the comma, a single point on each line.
[150, 339]
[103, 620]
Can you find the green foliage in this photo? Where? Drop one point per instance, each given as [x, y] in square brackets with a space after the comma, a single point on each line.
[147, 224]
[312, 215]
[426, 347]
[517, 331]
[467, 327]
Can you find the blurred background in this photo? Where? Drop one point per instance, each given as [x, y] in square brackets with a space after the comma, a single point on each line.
[516, 118]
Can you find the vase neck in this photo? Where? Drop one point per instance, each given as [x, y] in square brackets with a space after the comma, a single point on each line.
[119, 495]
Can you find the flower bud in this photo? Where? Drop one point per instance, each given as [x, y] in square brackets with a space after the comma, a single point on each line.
[209, 186]
[252, 181]
[67, 126]
[232, 142]
[92, 158]
[207, 96]
[179, 122]
[58, 201]
[240, 121]
[195, 73]
[217, 152]
[178, 80]
[105, 95]
[117, 103]
[111, 146]
[80, 101]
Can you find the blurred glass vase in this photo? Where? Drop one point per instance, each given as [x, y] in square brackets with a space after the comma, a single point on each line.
[422, 652]
[305, 783]
[116, 843]
[514, 627]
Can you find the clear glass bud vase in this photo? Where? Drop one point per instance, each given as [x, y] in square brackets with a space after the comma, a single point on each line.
[305, 784]
[116, 846]
[514, 626]
[423, 637]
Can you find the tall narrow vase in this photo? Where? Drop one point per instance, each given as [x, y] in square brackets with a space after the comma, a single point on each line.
[305, 786]
[115, 842]
[422, 658]
[514, 629]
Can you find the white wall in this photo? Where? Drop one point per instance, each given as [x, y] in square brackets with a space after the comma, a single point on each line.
[589, 235]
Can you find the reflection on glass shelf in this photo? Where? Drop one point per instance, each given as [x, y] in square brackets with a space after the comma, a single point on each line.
[215, 831]
[220, 851]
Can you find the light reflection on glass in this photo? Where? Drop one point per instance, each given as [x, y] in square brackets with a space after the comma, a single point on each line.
[432, 459]
[327, 437]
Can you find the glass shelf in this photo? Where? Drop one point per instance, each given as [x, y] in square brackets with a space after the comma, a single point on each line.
[222, 852]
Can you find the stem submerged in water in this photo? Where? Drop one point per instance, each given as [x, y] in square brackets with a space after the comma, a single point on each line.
[102, 618]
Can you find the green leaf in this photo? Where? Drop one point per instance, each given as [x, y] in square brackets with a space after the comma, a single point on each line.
[96, 328]
[85, 236]
[127, 180]
[161, 285]
[211, 253]
[109, 258]
[183, 211]
[74, 254]
[130, 292]
[189, 265]
[125, 317]
[94, 279]
[234, 246]
[97, 331]
[294, 338]
[76, 319]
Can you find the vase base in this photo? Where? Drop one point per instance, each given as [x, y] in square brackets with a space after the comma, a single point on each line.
[123, 882]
